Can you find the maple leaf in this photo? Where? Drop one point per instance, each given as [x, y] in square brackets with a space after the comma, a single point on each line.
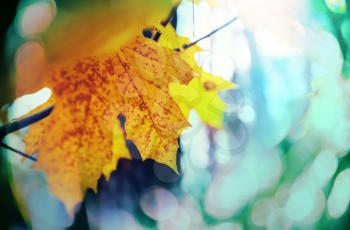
[84, 28]
[108, 25]
[202, 93]
[171, 40]
[84, 136]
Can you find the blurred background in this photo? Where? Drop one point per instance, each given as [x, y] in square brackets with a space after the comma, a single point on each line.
[280, 162]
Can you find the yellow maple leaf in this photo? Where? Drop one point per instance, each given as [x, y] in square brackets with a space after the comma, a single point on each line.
[171, 40]
[201, 94]
[83, 137]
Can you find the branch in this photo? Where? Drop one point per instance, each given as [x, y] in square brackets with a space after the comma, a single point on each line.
[188, 45]
[17, 151]
[22, 123]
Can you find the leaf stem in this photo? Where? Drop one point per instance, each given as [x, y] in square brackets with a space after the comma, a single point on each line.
[170, 16]
[166, 22]
[17, 151]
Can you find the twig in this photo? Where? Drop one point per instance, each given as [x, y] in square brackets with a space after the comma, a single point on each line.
[188, 45]
[22, 123]
[17, 151]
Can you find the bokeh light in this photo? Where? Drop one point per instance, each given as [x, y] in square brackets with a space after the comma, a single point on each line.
[36, 16]
[281, 159]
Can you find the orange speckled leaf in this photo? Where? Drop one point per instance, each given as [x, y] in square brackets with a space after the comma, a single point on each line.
[83, 137]
[107, 24]
[82, 28]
